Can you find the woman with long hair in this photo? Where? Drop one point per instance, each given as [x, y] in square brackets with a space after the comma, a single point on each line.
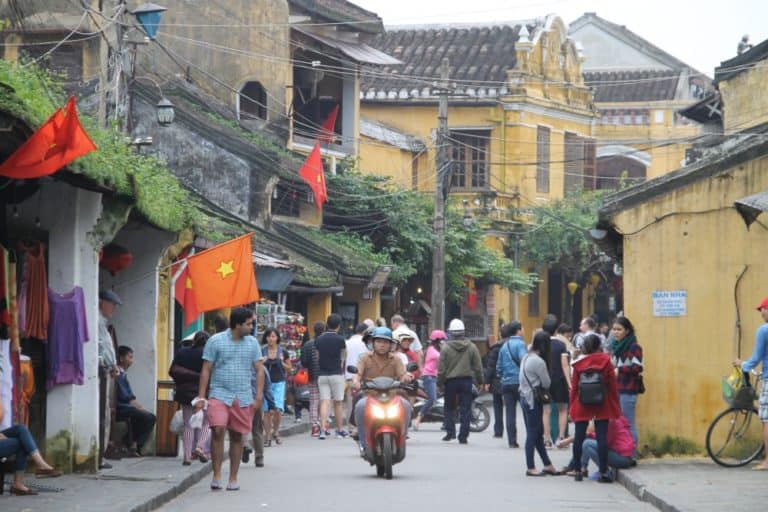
[278, 364]
[594, 362]
[627, 358]
[533, 375]
[429, 373]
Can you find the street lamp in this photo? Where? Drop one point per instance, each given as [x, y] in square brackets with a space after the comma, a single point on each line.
[148, 15]
[165, 112]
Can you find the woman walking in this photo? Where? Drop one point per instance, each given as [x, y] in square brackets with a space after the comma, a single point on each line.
[596, 368]
[429, 373]
[185, 372]
[627, 358]
[534, 377]
[278, 364]
[310, 360]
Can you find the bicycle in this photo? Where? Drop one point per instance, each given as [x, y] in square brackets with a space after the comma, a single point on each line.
[735, 436]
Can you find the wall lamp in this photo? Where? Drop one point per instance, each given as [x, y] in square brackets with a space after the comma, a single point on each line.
[165, 109]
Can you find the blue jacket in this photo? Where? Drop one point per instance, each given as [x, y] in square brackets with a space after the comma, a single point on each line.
[760, 354]
[508, 364]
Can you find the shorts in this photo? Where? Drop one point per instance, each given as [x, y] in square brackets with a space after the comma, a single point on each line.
[235, 418]
[764, 402]
[278, 397]
[559, 391]
[331, 387]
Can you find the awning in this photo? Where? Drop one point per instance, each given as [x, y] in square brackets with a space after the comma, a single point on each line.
[358, 52]
[751, 206]
[272, 274]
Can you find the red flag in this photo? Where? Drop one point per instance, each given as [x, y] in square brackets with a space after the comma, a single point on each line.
[58, 142]
[185, 297]
[312, 172]
[327, 129]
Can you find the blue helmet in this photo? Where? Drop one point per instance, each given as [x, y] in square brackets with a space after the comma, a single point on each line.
[382, 333]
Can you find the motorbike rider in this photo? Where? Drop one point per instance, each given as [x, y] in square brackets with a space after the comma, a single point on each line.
[381, 362]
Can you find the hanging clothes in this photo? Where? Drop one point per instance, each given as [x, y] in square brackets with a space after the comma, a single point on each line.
[26, 388]
[6, 384]
[67, 332]
[5, 316]
[37, 293]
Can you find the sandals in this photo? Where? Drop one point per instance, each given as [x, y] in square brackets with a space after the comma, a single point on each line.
[233, 486]
[531, 472]
[22, 492]
[551, 472]
[267, 443]
[48, 473]
[200, 455]
[216, 485]
[277, 439]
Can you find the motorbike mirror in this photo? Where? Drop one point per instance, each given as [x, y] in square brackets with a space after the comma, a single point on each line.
[352, 369]
[412, 367]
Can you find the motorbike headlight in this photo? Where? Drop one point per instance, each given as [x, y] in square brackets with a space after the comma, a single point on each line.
[393, 411]
[378, 412]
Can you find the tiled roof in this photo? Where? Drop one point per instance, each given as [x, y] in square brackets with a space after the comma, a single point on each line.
[475, 53]
[732, 67]
[343, 11]
[387, 134]
[628, 86]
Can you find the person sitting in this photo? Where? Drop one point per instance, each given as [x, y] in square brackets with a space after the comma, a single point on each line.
[128, 408]
[17, 441]
[621, 446]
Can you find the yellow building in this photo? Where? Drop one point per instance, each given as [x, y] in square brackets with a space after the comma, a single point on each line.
[521, 124]
[697, 232]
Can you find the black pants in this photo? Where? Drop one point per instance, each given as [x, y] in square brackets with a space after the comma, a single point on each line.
[601, 434]
[142, 423]
[459, 388]
[498, 414]
[511, 394]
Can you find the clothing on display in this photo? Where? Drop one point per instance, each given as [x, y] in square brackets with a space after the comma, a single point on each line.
[6, 383]
[67, 332]
[26, 387]
[36, 281]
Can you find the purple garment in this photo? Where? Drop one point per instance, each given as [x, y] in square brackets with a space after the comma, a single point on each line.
[67, 331]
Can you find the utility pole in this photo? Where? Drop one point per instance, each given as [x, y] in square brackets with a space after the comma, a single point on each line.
[442, 164]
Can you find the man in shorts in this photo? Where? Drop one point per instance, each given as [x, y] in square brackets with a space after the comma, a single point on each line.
[228, 359]
[331, 350]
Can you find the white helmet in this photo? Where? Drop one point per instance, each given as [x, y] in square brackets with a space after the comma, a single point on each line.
[456, 325]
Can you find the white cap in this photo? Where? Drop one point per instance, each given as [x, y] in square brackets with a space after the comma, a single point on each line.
[456, 325]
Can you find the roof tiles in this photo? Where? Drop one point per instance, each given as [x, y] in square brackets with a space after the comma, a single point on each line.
[629, 86]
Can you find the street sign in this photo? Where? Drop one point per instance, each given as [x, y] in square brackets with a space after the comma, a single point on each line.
[670, 303]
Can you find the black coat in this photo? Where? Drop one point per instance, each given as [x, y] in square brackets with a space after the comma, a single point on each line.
[185, 372]
[490, 368]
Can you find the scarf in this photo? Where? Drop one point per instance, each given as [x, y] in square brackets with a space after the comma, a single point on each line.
[619, 347]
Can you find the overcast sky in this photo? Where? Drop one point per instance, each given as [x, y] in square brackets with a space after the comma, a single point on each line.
[701, 33]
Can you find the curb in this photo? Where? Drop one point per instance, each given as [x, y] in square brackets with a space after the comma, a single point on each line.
[641, 492]
[177, 489]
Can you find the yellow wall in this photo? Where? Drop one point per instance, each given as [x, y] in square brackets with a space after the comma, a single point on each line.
[703, 254]
[318, 308]
[382, 159]
[743, 111]
[366, 308]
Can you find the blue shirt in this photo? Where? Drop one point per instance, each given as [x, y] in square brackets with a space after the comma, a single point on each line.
[760, 354]
[507, 366]
[232, 362]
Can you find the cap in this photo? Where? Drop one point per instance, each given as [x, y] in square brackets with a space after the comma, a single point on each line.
[763, 304]
[110, 296]
[437, 334]
[382, 333]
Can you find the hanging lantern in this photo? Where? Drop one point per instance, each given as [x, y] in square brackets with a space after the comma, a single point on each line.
[572, 287]
[165, 112]
[115, 258]
[148, 15]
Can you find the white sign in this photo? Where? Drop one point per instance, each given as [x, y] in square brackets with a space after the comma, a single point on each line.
[670, 303]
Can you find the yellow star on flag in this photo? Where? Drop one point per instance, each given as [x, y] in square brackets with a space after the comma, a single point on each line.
[226, 268]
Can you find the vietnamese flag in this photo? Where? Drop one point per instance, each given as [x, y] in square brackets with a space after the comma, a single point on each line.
[312, 172]
[58, 142]
[328, 128]
[223, 276]
[184, 295]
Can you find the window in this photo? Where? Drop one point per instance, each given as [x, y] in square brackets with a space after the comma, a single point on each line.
[469, 152]
[285, 200]
[542, 159]
[415, 173]
[574, 163]
[590, 164]
[658, 116]
[533, 300]
[253, 101]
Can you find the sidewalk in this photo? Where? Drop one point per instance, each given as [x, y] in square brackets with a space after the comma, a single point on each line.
[132, 485]
[696, 484]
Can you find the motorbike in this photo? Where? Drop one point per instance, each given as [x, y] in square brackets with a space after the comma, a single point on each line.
[480, 416]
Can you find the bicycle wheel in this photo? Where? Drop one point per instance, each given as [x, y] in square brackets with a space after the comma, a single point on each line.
[735, 437]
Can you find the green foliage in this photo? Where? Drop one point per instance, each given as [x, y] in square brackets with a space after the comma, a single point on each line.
[560, 236]
[658, 446]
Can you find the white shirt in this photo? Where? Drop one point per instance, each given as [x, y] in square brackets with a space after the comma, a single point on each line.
[355, 349]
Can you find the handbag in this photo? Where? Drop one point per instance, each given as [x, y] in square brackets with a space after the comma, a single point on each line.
[541, 394]
[177, 423]
[641, 384]
[301, 378]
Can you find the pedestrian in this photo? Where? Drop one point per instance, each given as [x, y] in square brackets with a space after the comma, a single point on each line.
[227, 361]
[331, 348]
[760, 356]
[627, 358]
[458, 369]
[185, 372]
[311, 361]
[278, 365]
[355, 347]
[108, 372]
[556, 419]
[508, 368]
[621, 446]
[429, 373]
[493, 385]
[534, 380]
[257, 423]
[596, 366]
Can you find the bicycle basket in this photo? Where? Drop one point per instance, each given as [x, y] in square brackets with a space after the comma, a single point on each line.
[737, 394]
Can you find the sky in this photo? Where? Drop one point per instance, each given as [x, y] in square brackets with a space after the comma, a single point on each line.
[699, 33]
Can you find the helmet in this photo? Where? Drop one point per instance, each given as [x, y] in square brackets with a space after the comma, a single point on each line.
[382, 333]
[437, 334]
[456, 325]
[400, 334]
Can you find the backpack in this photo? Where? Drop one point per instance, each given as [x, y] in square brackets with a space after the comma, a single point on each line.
[591, 388]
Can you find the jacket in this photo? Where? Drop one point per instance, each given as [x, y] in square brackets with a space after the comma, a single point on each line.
[459, 358]
[310, 360]
[185, 372]
[597, 362]
[534, 373]
[630, 365]
[508, 367]
[490, 375]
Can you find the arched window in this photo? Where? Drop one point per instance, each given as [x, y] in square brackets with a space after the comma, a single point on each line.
[253, 101]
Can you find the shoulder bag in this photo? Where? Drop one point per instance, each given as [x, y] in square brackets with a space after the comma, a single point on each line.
[540, 394]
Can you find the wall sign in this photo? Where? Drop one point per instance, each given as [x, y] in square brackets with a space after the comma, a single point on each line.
[670, 302]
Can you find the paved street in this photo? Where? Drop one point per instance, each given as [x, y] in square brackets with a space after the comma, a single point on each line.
[329, 476]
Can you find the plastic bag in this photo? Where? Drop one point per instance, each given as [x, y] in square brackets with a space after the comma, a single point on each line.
[177, 423]
[196, 420]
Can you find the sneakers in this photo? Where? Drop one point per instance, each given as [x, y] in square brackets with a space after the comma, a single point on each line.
[246, 454]
[322, 434]
[514, 444]
[298, 420]
[315, 430]
[342, 434]
[448, 437]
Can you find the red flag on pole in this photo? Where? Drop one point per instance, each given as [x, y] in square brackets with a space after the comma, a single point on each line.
[184, 295]
[312, 172]
[327, 129]
[58, 142]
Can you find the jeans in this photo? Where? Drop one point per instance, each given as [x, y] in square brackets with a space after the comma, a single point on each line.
[534, 429]
[498, 414]
[142, 423]
[461, 388]
[19, 443]
[628, 402]
[430, 388]
[601, 434]
[590, 451]
[360, 417]
[511, 394]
